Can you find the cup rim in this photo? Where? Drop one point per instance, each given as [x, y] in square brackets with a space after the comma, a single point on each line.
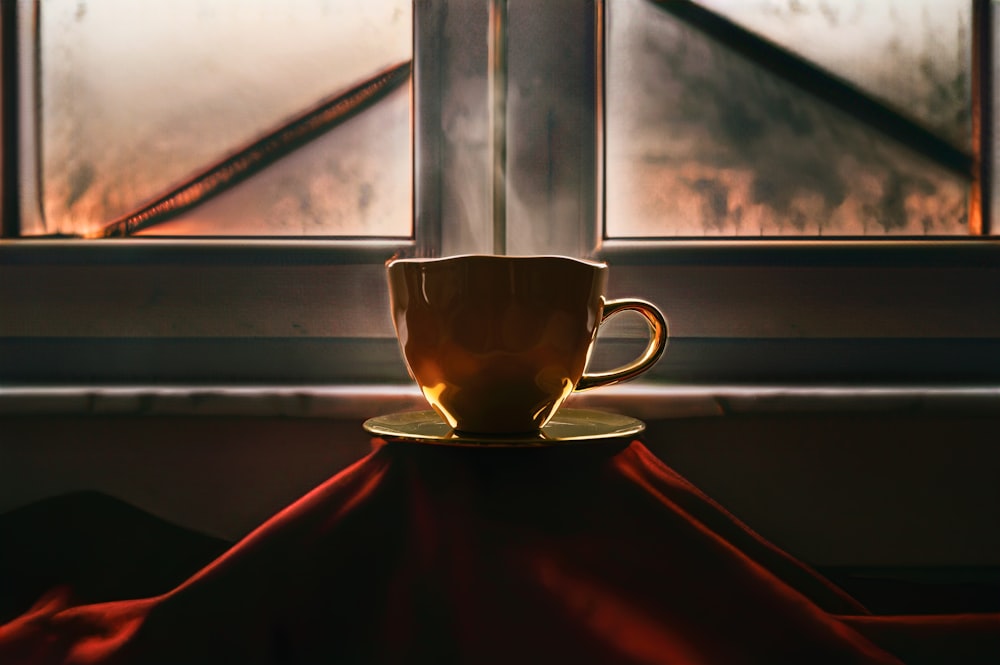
[498, 257]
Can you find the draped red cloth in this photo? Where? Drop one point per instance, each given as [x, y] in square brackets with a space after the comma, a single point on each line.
[592, 553]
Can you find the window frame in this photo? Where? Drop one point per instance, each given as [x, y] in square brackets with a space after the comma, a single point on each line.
[243, 311]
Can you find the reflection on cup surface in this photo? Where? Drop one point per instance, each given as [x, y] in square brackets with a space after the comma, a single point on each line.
[496, 343]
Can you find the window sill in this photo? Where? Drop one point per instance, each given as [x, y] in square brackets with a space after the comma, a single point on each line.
[647, 402]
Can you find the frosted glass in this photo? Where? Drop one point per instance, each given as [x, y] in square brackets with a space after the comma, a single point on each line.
[702, 142]
[915, 55]
[135, 96]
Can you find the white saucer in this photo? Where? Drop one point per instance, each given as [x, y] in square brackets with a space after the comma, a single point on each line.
[567, 426]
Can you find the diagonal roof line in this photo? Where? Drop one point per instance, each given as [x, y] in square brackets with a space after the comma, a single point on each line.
[823, 85]
[241, 164]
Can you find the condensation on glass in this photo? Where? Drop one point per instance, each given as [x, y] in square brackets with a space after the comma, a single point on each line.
[916, 55]
[135, 97]
[702, 142]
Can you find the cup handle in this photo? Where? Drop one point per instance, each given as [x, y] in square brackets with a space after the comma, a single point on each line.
[659, 333]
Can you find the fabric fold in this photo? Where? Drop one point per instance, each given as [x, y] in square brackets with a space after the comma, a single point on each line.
[593, 553]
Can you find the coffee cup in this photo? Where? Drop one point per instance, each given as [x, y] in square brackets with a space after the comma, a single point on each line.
[497, 343]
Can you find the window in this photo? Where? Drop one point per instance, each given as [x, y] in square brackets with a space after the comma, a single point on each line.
[277, 119]
[788, 119]
[299, 310]
[184, 117]
[816, 147]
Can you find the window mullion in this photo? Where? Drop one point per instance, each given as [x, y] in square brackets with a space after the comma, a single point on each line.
[981, 195]
[9, 129]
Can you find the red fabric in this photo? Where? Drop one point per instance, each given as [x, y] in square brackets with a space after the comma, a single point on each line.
[594, 553]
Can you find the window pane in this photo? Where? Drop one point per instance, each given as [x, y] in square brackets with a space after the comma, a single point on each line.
[136, 97]
[702, 142]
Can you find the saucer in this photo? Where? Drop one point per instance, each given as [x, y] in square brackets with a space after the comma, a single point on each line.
[566, 426]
